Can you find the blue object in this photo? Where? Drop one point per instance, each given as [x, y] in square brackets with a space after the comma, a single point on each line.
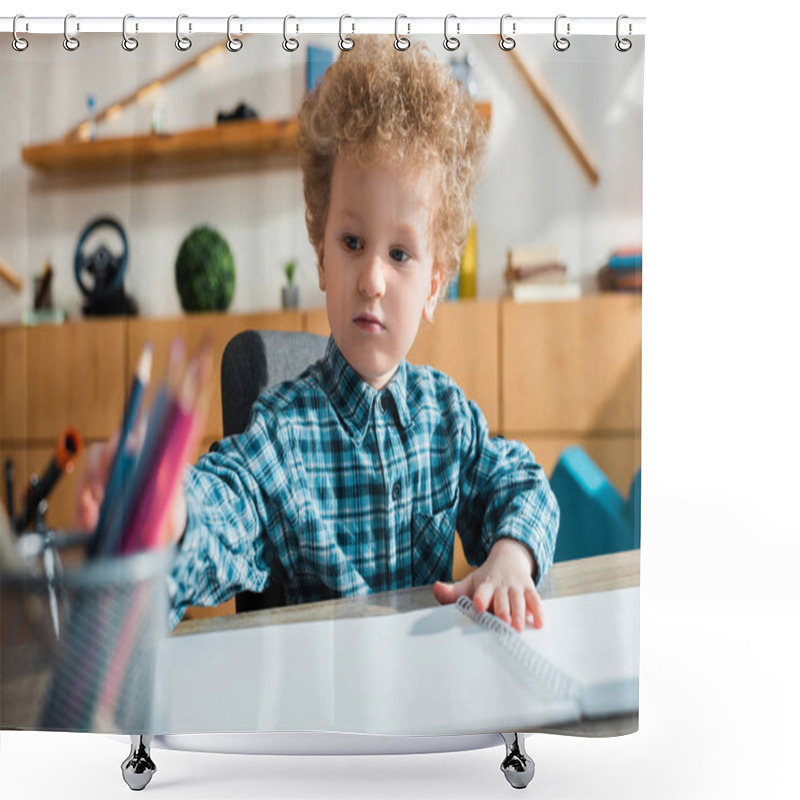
[595, 519]
[452, 289]
[90, 105]
[634, 507]
[625, 262]
[318, 59]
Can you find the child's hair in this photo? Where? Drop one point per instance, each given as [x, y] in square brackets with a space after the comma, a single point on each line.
[376, 103]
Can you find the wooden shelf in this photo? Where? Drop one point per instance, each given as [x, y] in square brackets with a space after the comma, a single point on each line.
[245, 141]
[248, 139]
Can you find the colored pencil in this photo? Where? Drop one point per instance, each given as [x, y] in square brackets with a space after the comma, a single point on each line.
[126, 496]
[165, 465]
[119, 465]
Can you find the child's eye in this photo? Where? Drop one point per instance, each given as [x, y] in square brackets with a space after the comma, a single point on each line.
[399, 255]
[352, 242]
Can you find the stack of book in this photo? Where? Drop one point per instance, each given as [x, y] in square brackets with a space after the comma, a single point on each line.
[623, 271]
[535, 273]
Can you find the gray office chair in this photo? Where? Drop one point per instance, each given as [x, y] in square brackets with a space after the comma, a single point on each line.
[252, 362]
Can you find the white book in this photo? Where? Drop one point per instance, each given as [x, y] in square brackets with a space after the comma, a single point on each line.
[443, 670]
[545, 292]
[531, 255]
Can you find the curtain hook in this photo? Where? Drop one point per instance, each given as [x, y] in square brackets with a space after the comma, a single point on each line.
[561, 43]
[233, 44]
[183, 43]
[129, 43]
[401, 42]
[451, 43]
[289, 44]
[507, 42]
[623, 45]
[18, 43]
[345, 42]
[70, 43]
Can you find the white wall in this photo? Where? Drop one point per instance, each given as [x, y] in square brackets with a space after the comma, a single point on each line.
[533, 189]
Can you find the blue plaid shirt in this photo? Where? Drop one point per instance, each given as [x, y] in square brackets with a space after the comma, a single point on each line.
[337, 489]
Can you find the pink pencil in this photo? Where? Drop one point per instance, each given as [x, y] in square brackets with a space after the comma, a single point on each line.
[181, 433]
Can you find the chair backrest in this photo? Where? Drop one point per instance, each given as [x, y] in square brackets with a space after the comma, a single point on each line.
[254, 361]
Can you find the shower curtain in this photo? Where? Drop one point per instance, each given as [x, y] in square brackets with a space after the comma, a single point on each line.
[152, 194]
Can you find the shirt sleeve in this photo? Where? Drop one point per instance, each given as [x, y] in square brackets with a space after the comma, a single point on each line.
[227, 495]
[503, 493]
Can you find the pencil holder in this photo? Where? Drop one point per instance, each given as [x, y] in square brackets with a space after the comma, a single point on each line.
[84, 659]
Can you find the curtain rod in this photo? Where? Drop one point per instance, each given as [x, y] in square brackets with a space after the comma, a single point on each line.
[457, 26]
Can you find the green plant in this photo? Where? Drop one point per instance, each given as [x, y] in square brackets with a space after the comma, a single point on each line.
[205, 273]
[289, 269]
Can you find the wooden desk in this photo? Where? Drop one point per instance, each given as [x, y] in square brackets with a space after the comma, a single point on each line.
[598, 574]
[583, 576]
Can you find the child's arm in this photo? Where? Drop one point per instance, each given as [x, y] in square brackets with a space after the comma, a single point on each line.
[217, 516]
[507, 519]
[503, 584]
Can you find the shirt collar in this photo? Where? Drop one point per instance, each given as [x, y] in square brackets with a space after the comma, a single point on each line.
[353, 398]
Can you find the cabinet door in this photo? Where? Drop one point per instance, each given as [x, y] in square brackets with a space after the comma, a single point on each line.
[192, 328]
[572, 366]
[463, 343]
[13, 383]
[75, 377]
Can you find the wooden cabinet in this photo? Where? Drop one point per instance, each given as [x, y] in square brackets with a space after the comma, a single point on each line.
[571, 374]
[463, 342]
[76, 375]
[548, 374]
[13, 384]
[52, 377]
[572, 366]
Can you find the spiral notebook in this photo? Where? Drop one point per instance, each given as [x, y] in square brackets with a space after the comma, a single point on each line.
[440, 670]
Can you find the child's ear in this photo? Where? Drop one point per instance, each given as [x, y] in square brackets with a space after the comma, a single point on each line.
[320, 265]
[437, 279]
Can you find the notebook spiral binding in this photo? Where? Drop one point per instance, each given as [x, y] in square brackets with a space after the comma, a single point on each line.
[557, 682]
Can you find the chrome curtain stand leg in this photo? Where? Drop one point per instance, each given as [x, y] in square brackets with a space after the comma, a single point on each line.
[138, 768]
[517, 766]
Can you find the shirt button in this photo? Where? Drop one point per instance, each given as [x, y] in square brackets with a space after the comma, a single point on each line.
[396, 491]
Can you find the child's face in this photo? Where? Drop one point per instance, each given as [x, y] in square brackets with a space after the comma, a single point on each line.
[376, 264]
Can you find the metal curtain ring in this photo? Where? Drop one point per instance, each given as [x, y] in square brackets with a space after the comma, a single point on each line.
[623, 45]
[401, 42]
[561, 43]
[451, 42]
[506, 42]
[183, 43]
[289, 45]
[345, 42]
[233, 44]
[70, 42]
[129, 43]
[18, 43]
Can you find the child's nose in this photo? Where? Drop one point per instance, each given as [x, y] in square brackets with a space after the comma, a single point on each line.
[372, 281]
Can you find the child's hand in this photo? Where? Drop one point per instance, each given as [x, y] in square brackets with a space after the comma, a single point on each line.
[91, 486]
[503, 584]
[91, 483]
